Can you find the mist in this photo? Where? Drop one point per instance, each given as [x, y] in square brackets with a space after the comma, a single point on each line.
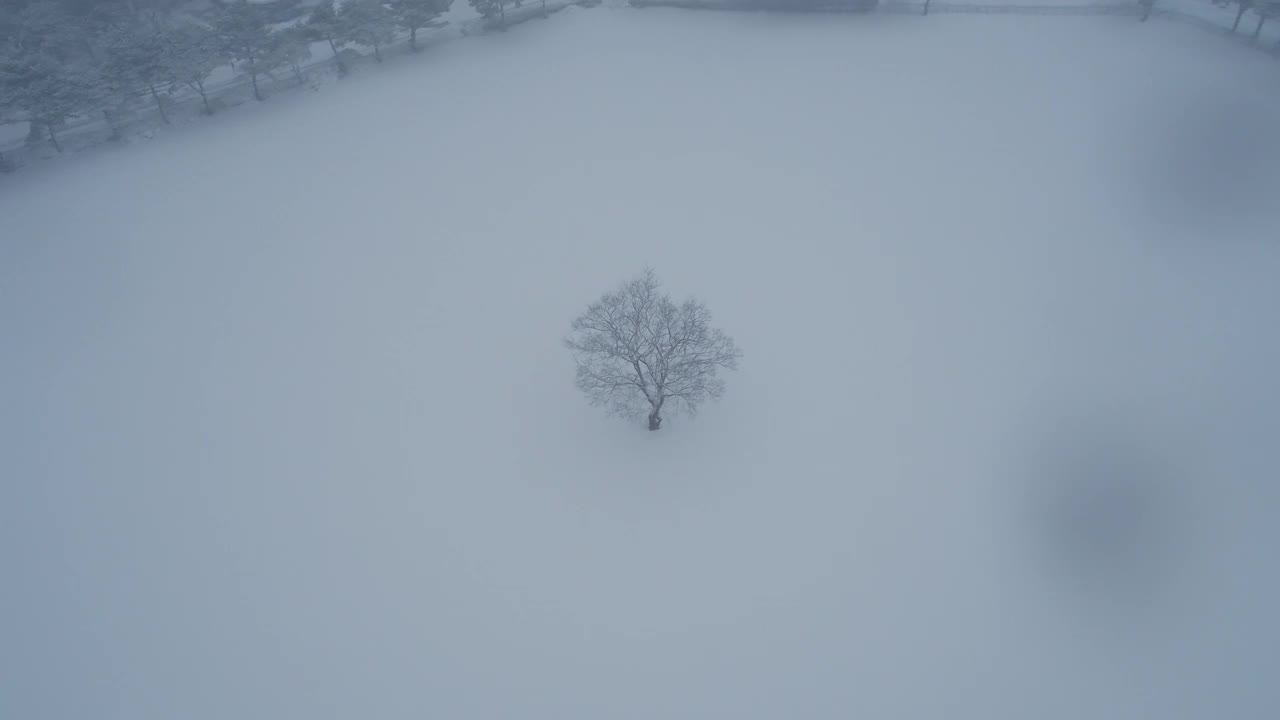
[288, 428]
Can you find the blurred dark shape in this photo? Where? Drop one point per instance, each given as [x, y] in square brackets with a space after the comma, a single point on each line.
[1104, 508]
[1210, 161]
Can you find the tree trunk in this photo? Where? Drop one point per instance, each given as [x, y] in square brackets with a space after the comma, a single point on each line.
[377, 52]
[1239, 14]
[297, 73]
[342, 67]
[926, 6]
[1258, 30]
[413, 39]
[204, 98]
[159, 104]
[502, 13]
[111, 123]
[655, 417]
[1146, 9]
[53, 138]
[36, 133]
[257, 94]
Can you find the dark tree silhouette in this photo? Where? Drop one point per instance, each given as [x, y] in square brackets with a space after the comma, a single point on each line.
[638, 352]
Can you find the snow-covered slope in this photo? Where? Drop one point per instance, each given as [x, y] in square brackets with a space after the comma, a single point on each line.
[287, 430]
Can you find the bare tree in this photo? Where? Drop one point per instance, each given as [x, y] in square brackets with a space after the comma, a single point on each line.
[638, 352]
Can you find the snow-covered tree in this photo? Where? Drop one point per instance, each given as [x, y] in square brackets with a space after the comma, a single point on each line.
[494, 8]
[46, 27]
[323, 24]
[137, 58]
[638, 352]
[293, 47]
[244, 36]
[368, 22]
[415, 15]
[47, 93]
[46, 76]
[194, 52]
[8, 111]
[12, 100]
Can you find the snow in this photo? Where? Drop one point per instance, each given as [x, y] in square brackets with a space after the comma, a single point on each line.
[11, 133]
[287, 428]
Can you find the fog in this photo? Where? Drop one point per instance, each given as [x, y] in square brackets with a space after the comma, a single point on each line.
[288, 431]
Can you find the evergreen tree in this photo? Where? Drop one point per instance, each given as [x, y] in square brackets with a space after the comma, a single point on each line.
[137, 58]
[194, 52]
[369, 23]
[293, 49]
[10, 108]
[46, 92]
[45, 27]
[8, 111]
[323, 24]
[244, 36]
[414, 15]
[491, 9]
[45, 74]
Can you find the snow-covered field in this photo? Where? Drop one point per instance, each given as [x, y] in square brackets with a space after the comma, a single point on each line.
[287, 430]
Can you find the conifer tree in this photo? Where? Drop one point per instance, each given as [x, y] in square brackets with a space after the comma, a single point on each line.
[415, 15]
[369, 23]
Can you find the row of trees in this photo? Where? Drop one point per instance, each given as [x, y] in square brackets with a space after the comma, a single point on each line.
[1264, 9]
[65, 58]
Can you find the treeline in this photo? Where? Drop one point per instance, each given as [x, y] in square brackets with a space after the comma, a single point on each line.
[1263, 9]
[62, 59]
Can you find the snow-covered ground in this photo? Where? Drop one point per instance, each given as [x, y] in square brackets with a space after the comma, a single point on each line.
[287, 430]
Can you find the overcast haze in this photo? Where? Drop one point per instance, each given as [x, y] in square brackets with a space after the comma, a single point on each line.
[287, 428]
